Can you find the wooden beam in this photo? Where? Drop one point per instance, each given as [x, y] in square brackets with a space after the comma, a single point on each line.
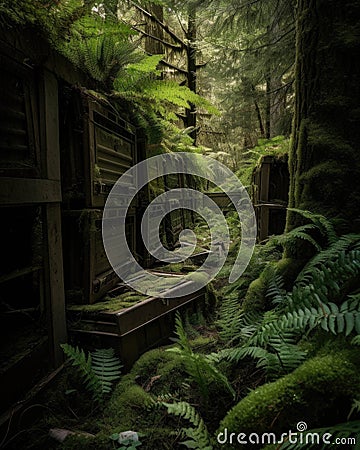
[54, 282]
[52, 126]
[17, 191]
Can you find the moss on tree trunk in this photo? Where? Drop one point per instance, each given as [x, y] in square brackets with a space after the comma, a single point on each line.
[325, 157]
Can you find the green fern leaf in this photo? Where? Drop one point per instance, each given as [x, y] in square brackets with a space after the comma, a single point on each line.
[200, 438]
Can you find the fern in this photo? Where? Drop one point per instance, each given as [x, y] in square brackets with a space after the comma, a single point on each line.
[200, 368]
[230, 318]
[98, 369]
[297, 234]
[344, 319]
[101, 53]
[342, 245]
[199, 437]
[317, 300]
[106, 367]
[324, 225]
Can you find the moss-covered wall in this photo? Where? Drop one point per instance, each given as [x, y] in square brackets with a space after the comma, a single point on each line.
[324, 156]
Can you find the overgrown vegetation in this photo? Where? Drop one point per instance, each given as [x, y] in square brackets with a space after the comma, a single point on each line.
[267, 364]
[98, 369]
[283, 347]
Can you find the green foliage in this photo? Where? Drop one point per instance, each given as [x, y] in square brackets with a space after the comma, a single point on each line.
[322, 381]
[101, 48]
[108, 303]
[99, 369]
[320, 298]
[199, 437]
[53, 19]
[106, 367]
[158, 102]
[252, 288]
[277, 147]
[200, 368]
[320, 229]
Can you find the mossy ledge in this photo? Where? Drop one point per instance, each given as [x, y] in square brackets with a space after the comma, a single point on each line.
[327, 383]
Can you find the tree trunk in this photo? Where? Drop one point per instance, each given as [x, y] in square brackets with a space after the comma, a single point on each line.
[191, 68]
[153, 46]
[325, 154]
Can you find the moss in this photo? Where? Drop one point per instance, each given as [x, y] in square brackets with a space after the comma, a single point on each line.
[76, 442]
[255, 295]
[203, 342]
[111, 304]
[319, 391]
[289, 269]
[178, 268]
[155, 373]
[128, 406]
[167, 366]
[255, 298]
[132, 405]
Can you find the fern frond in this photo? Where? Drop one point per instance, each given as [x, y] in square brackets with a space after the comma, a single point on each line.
[83, 364]
[341, 245]
[324, 225]
[275, 289]
[106, 366]
[297, 234]
[199, 435]
[98, 369]
[200, 368]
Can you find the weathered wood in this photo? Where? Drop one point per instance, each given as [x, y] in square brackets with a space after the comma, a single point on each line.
[264, 180]
[14, 191]
[19, 376]
[52, 126]
[145, 312]
[139, 327]
[269, 191]
[54, 282]
[19, 273]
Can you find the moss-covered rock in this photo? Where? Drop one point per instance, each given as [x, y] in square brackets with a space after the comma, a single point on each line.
[156, 373]
[132, 405]
[319, 391]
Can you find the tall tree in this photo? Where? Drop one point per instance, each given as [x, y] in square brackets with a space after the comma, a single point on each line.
[173, 32]
[325, 153]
